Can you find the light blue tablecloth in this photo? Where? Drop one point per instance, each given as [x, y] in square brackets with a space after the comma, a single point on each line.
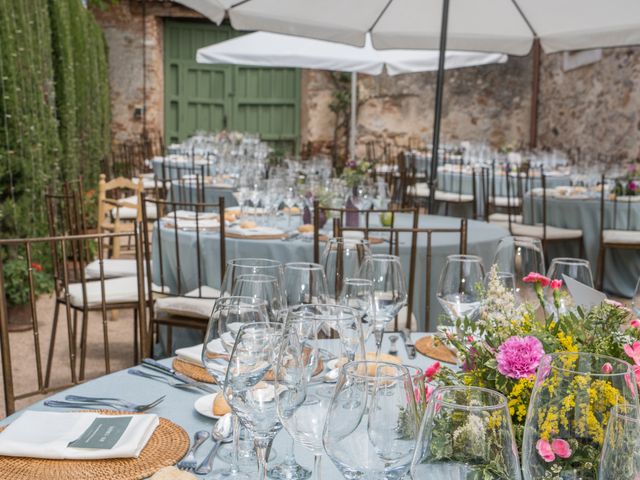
[186, 192]
[622, 267]
[178, 407]
[483, 239]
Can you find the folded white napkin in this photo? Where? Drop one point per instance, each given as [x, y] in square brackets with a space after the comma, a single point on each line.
[192, 224]
[248, 232]
[48, 434]
[189, 215]
[194, 354]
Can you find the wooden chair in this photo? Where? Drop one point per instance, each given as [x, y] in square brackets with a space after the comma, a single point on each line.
[405, 320]
[544, 232]
[618, 231]
[497, 207]
[180, 298]
[73, 296]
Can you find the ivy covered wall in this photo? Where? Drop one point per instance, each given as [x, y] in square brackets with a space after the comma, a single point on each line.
[54, 106]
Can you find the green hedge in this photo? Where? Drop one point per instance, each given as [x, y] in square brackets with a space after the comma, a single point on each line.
[54, 105]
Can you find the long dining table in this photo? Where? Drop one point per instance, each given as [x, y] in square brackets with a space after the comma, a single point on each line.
[178, 406]
[483, 239]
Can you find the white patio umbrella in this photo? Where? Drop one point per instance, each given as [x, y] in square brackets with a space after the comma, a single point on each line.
[508, 26]
[276, 50]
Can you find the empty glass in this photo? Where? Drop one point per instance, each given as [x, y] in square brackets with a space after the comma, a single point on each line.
[466, 433]
[247, 266]
[305, 284]
[343, 258]
[249, 385]
[576, 268]
[357, 293]
[372, 422]
[459, 287]
[620, 458]
[506, 279]
[520, 256]
[265, 287]
[389, 290]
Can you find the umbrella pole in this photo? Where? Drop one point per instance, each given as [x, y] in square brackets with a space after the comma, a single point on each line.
[354, 115]
[433, 178]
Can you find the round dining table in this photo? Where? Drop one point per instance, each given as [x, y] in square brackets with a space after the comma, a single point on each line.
[178, 406]
[622, 267]
[483, 239]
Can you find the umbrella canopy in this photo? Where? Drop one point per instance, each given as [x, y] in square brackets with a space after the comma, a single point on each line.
[275, 50]
[507, 26]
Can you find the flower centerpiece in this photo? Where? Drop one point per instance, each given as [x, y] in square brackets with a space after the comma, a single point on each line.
[573, 364]
[355, 171]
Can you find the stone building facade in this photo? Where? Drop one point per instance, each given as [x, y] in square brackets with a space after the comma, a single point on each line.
[595, 107]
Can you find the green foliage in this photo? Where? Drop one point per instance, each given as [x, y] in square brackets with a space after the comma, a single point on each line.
[16, 283]
[54, 105]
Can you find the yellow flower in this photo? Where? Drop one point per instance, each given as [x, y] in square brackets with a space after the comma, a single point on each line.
[519, 398]
[567, 342]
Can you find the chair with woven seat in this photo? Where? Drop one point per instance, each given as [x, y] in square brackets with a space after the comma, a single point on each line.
[180, 297]
[497, 206]
[619, 229]
[407, 319]
[544, 232]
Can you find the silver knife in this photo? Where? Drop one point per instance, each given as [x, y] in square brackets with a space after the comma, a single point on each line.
[408, 344]
[159, 367]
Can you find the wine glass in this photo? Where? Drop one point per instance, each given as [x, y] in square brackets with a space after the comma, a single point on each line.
[389, 290]
[305, 283]
[265, 287]
[372, 422]
[249, 385]
[566, 387]
[291, 199]
[342, 258]
[247, 266]
[303, 402]
[635, 301]
[228, 316]
[576, 268]
[520, 256]
[459, 290]
[357, 293]
[466, 433]
[506, 279]
[621, 449]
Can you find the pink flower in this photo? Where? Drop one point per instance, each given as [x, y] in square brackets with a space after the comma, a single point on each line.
[545, 451]
[633, 351]
[607, 368]
[561, 448]
[617, 304]
[556, 284]
[431, 372]
[470, 339]
[635, 323]
[519, 357]
[636, 373]
[535, 277]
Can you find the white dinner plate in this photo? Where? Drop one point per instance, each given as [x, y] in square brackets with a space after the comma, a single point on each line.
[204, 405]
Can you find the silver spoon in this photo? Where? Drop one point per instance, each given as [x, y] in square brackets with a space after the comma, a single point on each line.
[189, 462]
[222, 433]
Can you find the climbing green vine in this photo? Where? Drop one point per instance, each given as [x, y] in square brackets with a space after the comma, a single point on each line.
[54, 105]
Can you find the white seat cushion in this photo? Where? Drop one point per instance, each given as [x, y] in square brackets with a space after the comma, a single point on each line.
[505, 201]
[627, 237]
[187, 305]
[452, 197]
[130, 213]
[537, 231]
[504, 218]
[113, 268]
[117, 290]
[421, 190]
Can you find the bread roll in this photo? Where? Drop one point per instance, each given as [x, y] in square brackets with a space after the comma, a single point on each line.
[306, 228]
[220, 405]
[172, 473]
[248, 224]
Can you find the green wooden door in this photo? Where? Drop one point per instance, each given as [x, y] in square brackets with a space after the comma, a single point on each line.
[217, 97]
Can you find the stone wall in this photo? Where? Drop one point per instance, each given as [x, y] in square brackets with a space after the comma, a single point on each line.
[596, 107]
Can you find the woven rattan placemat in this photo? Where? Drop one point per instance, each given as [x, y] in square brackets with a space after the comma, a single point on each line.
[196, 372]
[167, 445]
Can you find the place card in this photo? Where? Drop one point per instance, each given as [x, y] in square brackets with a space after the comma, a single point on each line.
[103, 433]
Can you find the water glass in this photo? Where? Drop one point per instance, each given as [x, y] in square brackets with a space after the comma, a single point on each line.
[620, 458]
[521, 256]
[466, 433]
[357, 293]
[459, 286]
[372, 422]
[264, 287]
[249, 266]
[343, 258]
[305, 284]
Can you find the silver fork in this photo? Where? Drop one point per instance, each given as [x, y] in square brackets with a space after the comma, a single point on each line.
[163, 379]
[189, 462]
[115, 406]
[117, 401]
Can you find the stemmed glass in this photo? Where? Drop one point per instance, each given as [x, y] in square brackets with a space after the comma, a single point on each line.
[458, 287]
[576, 268]
[265, 287]
[305, 283]
[290, 200]
[372, 422]
[621, 449]
[389, 290]
[520, 256]
[343, 258]
[506, 279]
[247, 266]
[249, 385]
[228, 316]
[357, 293]
[466, 433]
[302, 403]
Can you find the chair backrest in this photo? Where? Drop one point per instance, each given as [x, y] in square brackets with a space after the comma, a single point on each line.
[20, 265]
[183, 247]
[65, 209]
[414, 233]
[112, 195]
[187, 183]
[619, 207]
